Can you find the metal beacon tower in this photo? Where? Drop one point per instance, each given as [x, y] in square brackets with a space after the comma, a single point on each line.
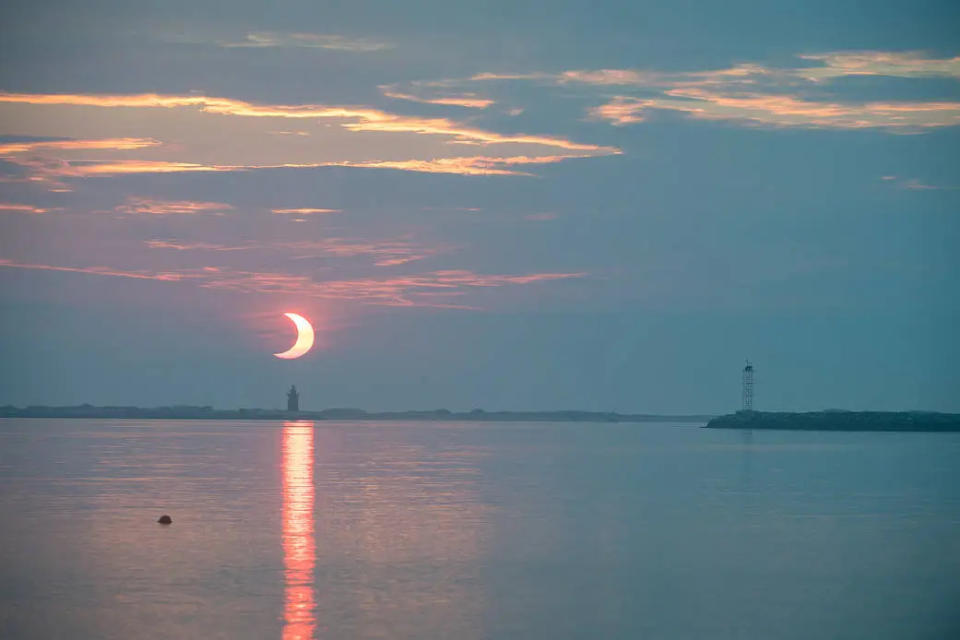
[748, 387]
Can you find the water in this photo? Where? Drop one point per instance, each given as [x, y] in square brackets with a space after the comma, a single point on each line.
[473, 530]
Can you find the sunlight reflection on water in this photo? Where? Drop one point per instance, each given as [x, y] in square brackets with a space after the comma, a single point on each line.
[299, 547]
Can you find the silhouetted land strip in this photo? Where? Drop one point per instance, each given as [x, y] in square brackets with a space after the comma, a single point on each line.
[209, 413]
[840, 421]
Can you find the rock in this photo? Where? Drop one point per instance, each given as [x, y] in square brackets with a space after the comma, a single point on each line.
[165, 519]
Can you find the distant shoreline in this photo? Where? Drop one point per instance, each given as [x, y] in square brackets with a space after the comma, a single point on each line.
[209, 413]
[925, 421]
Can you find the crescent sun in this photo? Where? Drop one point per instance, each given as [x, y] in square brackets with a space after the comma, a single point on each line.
[304, 338]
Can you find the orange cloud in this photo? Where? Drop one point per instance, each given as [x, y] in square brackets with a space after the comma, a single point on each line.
[783, 110]
[622, 110]
[470, 101]
[469, 166]
[773, 96]
[199, 133]
[364, 119]
[136, 166]
[11, 207]
[136, 205]
[108, 143]
[786, 110]
[879, 63]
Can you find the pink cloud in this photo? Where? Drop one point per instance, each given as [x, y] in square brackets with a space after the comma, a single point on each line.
[304, 211]
[408, 291]
[386, 253]
[167, 276]
[622, 110]
[11, 207]
[150, 206]
[468, 165]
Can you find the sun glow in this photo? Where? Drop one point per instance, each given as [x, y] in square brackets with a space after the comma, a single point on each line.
[304, 338]
[299, 547]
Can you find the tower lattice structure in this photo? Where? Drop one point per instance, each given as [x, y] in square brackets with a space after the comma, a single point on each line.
[748, 387]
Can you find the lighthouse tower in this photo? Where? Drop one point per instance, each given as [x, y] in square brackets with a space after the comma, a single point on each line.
[748, 387]
[293, 399]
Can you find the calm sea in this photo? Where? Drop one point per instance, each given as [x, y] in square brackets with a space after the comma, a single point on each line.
[471, 530]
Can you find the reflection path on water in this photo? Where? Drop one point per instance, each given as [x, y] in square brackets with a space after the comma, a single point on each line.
[299, 548]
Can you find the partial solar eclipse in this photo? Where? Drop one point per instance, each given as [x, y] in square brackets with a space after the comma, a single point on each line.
[304, 338]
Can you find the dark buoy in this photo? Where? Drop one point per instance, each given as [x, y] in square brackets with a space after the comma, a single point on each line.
[165, 520]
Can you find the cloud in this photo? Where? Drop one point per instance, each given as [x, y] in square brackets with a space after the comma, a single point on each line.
[51, 171]
[790, 96]
[195, 246]
[276, 39]
[834, 65]
[167, 276]
[304, 211]
[196, 133]
[12, 207]
[915, 184]
[512, 76]
[879, 63]
[134, 166]
[386, 253]
[468, 166]
[423, 290]
[119, 144]
[622, 110]
[783, 111]
[150, 206]
[607, 77]
[468, 100]
[359, 118]
[404, 291]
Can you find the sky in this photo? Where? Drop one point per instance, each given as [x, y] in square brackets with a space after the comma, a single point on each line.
[508, 205]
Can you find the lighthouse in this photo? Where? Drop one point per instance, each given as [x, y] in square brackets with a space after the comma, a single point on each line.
[293, 399]
[748, 387]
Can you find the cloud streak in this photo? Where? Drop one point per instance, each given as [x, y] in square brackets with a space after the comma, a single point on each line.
[276, 39]
[154, 207]
[423, 290]
[306, 211]
[879, 63]
[783, 111]
[386, 253]
[13, 207]
[196, 133]
[116, 144]
[770, 96]
[468, 100]
[359, 118]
